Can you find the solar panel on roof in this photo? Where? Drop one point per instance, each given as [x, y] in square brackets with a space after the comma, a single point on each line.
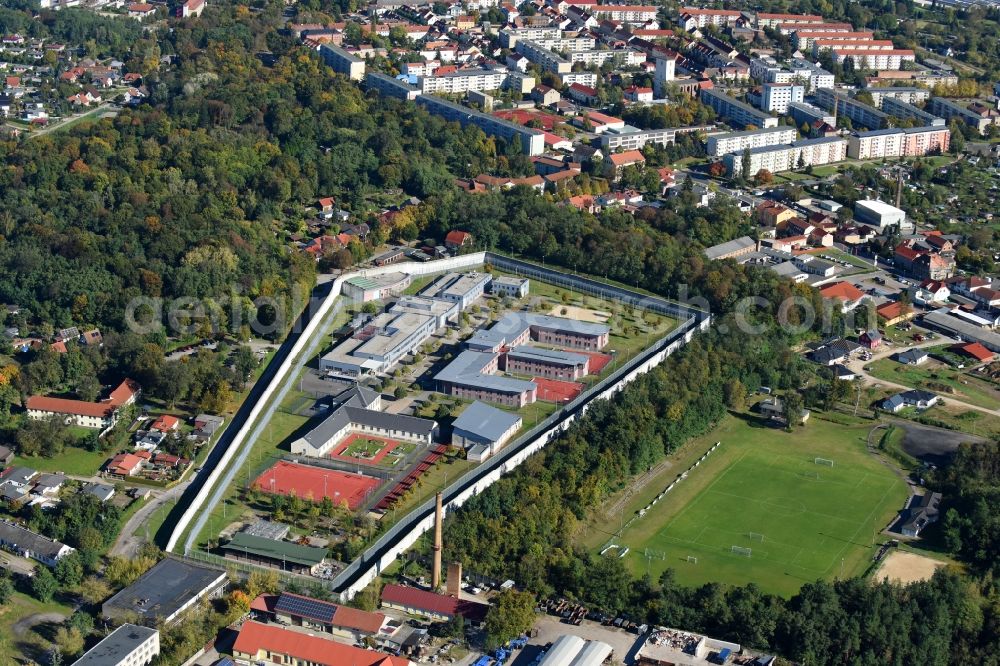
[305, 607]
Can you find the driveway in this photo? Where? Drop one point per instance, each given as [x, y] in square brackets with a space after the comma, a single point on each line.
[20, 565]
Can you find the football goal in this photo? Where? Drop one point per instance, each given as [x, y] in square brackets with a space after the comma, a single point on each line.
[823, 461]
[692, 559]
[740, 550]
[754, 536]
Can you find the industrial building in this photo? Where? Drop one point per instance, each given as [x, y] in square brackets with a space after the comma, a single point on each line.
[571, 650]
[737, 112]
[128, 645]
[362, 289]
[432, 605]
[164, 592]
[736, 142]
[881, 216]
[296, 610]
[270, 645]
[483, 430]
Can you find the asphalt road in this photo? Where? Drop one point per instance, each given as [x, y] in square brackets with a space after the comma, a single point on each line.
[129, 541]
[930, 444]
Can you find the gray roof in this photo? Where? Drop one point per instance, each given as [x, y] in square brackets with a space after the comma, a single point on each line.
[467, 370]
[728, 247]
[485, 423]
[24, 539]
[513, 324]
[356, 396]
[119, 643]
[12, 493]
[347, 414]
[100, 491]
[18, 474]
[50, 480]
[5, 452]
[910, 355]
[163, 590]
[551, 356]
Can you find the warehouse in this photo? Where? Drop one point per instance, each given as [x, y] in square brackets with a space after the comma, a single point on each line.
[362, 289]
[165, 591]
[881, 215]
[575, 651]
[432, 605]
[483, 430]
[282, 555]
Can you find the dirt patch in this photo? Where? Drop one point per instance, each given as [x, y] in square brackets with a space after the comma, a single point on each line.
[903, 567]
[580, 314]
[23, 625]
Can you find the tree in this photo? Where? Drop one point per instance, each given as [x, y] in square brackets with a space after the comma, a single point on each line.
[745, 164]
[43, 584]
[764, 177]
[69, 640]
[511, 616]
[793, 408]
[69, 570]
[244, 363]
[6, 589]
[717, 170]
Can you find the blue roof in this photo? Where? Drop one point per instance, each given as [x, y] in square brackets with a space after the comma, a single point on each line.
[485, 422]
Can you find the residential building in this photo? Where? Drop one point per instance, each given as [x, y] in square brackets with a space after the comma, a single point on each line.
[737, 112]
[804, 113]
[100, 415]
[271, 645]
[128, 645]
[26, 543]
[775, 97]
[973, 113]
[630, 14]
[909, 95]
[615, 163]
[531, 141]
[695, 17]
[342, 61]
[919, 399]
[389, 86]
[736, 142]
[858, 112]
[733, 249]
[805, 152]
[875, 58]
[899, 108]
[845, 293]
[165, 592]
[630, 138]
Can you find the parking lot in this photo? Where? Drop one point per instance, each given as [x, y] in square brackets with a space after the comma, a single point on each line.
[550, 628]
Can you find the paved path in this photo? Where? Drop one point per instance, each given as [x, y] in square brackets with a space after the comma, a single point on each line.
[129, 541]
[22, 626]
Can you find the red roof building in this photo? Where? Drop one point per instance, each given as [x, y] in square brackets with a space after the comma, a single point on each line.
[431, 604]
[976, 351]
[273, 644]
[124, 464]
[456, 239]
[845, 292]
[86, 414]
[165, 423]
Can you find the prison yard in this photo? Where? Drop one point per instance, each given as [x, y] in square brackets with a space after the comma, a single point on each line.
[416, 381]
[766, 506]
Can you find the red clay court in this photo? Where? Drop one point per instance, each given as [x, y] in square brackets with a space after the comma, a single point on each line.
[598, 361]
[555, 390]
[284, 477]
[339, 451]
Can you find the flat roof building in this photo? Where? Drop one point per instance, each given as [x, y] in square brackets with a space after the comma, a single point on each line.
[737, 112]
[516, 328]
[128, 645]
[531, 141]
[460, 288]
[880, 215]
[733, 142]
[165, 591]
[283, 555]
[362, 288]
[342, 61]
[515, 287]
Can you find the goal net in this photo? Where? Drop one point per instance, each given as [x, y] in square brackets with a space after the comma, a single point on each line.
[740, 550]
[692, 559]
[823, 461]
[754, 536]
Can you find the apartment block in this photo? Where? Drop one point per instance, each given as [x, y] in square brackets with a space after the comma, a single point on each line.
[889, 143]
[859, 112]
[532, 141]
[695, 17]
[814, 152]
[897, 108]
[463, 81]
[736, 142]
[389, 86]
[972, 112]
[625, 13]
[803, 112]
[632, 138]
[775, 97]
[737, 112]
[875, 59]
[342, 61]
[910, 95]
[804, 39]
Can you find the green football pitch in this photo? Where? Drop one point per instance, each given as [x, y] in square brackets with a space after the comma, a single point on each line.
[761, 509]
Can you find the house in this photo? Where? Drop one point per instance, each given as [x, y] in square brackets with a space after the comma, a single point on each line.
[871, 339]
[913, 398]
[102, 415]
[124, 465]
[191, 8]
[545, 96]
[774, 409]
[326, 205]
[457, 239]
[49, 484]
[26, 543]
[912, 356]
[92, 338]
[583, 94]
[6, 456]
[834, 352]
[842, 373]
[976, 350]
[923, 511]
[638, 94]
[845, 293]
[615, 164]
[18, 477]
[206, 425]
[141, 10]
[100, 491]
[165, 423]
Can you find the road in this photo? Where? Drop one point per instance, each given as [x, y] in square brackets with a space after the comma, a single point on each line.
[858, 366]
[19, 565]
[128, 541]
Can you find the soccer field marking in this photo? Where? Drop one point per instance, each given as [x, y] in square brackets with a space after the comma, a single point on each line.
[865, 522]
[765, 503]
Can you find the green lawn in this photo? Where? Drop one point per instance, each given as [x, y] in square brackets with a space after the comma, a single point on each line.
[840, 255]
[74, 461]
[364, 448]
[30, 644]
[760, 490]
[935, 376]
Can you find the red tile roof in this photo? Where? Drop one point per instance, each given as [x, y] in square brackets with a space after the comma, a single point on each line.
[411, 597]
[124, 464]
[255, 637]
[165, 422]
[890, 311]
[122, 395]
[976, 351]
[844, 291]
[626, 158]
[457, 237]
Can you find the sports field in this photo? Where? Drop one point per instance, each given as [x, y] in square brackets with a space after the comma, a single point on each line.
[790, 519]
[314, 483]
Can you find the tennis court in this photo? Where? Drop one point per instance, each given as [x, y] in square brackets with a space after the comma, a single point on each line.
[315, 483]
[555, 390]
[598, 361]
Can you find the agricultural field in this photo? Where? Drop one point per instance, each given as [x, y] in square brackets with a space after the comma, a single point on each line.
[762, 509]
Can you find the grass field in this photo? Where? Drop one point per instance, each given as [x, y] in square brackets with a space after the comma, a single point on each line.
[30, 643]
[72, 460]
[764, 481]
[933, 375]
[364, 448]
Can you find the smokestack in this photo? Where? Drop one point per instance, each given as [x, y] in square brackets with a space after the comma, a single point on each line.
[436, 573]
[453, 587]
